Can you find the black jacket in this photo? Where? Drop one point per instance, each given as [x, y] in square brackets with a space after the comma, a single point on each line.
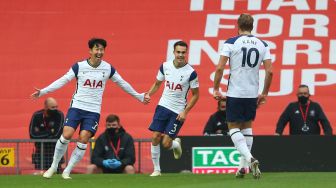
[45, 127]
[103, 149]
[293, 115]
[42, 126]
[217, 121]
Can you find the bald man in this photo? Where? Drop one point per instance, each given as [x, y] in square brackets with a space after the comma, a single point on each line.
[46, 123]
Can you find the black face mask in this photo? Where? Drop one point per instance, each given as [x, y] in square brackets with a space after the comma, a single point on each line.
[222, 112]
[303, 99]
[112, 131]
[51, 112]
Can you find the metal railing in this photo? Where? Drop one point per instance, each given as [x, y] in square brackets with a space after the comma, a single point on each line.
[32, 156]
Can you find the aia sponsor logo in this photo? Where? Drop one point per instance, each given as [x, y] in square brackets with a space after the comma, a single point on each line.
[173, 86]
[93, 83]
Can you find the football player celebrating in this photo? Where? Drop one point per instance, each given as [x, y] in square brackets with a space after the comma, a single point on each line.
[91, 75]
[173, 108]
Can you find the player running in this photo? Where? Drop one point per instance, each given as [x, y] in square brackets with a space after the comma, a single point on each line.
[173, 108]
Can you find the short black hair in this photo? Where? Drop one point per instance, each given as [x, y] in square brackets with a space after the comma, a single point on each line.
[180, 43]
[304, 86]
[95, 41]
[112, 118]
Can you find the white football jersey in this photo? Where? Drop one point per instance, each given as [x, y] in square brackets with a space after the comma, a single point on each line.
[177, 84]
[90, 85]
[246, 52]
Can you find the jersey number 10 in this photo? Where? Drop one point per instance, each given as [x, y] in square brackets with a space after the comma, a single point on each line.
[247, 57]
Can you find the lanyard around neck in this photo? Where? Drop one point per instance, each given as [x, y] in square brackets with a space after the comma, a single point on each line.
[304, 115]
[116, 150]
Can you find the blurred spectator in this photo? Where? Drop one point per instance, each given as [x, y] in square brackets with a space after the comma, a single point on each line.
[114, 150]
[46, 123]
[303, 116]
[216, 124]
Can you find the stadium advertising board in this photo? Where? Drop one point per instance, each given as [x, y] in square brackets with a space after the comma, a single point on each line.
[7, 158]
[214, 160]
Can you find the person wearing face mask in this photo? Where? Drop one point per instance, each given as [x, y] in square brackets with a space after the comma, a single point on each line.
[114, 150]
[304, 116]
[46, 123]
[217, 124]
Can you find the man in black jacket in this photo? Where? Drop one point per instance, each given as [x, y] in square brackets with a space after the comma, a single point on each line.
[46, 124]
[216, 124]
[303, 116]
[114, 150]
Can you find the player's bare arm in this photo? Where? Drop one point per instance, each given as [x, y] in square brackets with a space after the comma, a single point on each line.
[267, 83]
[218, 77]
[195, 95]
[154, 88]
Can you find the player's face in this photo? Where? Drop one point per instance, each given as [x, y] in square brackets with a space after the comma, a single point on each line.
[180, 53]
[97, 53]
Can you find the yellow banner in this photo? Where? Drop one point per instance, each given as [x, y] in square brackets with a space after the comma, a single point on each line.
[7, 157]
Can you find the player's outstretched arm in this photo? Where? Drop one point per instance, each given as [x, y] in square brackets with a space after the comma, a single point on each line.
[218, 77]
[55, 85]
[124, 85]
[152, 90]
[36, 94]
[154, 87]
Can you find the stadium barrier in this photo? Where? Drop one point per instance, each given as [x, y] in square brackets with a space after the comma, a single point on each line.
[275, 153]
[19, 156]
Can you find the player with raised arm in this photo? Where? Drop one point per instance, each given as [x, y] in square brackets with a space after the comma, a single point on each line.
[173, 108]
[245, 54]
[91, 75]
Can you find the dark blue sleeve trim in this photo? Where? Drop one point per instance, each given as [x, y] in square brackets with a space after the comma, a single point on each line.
[161, 69]
[75, 68]
[265, 44]
[232, 40]
[112, 71]
[193, 76]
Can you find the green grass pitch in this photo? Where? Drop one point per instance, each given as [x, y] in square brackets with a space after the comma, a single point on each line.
[170, 180]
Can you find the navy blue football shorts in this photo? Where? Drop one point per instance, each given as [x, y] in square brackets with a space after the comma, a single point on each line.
[240, 109]
[164, 121]
[87, 120]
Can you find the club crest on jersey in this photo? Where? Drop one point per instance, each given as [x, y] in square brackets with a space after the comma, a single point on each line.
[93, 83]
[173, 86]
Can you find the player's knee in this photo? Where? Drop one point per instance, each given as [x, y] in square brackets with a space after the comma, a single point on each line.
[166, 144]
[129, 169]
[83, 140]
[67, 135]
[68, 132]
[156, 138]
[84, 137]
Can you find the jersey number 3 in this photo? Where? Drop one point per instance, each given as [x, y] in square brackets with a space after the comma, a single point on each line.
[247, 57]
